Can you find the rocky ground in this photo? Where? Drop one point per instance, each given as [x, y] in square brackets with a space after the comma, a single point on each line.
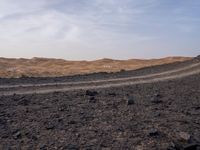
[155, 116]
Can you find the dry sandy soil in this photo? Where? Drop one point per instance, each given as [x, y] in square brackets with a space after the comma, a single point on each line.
[154, 108]
[43, 67]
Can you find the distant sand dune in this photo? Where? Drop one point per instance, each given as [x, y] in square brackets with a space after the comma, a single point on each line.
[44, 67]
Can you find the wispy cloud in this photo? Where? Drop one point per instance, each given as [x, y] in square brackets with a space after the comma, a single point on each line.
[100, 28]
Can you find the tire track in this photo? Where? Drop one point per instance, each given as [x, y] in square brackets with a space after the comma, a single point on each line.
[103, 80]
[97, 84]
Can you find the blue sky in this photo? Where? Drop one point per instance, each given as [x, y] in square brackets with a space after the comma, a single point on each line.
[93, 29]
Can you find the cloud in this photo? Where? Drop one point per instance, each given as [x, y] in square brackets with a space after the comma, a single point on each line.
[39, 19]
[93, 26]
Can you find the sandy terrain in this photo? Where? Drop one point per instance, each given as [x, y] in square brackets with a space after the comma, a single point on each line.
[43, 67]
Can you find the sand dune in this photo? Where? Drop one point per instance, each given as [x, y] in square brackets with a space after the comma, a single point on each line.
[43, 67]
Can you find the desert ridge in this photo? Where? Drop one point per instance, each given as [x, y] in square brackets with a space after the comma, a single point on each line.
[48, 67]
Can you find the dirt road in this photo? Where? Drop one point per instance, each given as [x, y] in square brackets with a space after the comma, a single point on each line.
[95, 84]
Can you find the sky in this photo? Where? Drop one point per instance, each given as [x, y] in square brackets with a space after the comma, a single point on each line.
[94, 29]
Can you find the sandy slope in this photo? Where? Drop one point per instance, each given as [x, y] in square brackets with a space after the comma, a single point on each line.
[43, 67]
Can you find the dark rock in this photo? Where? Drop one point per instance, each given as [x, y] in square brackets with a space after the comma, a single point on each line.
[157, 95]
[156, 114]
[91, 93]
[4, 134]
[153, 132]
[174, 146]
[197, 107]
[34, 137]
[192, 147]
[72, 122]
[130, 101]
[49, 125]
[43, 147]
[24, 102]
[62, 108]
[112, 94]
[31, 135]
[3, 123]
[92, 100]
[156, 100]
[17, 135]
[71, 147]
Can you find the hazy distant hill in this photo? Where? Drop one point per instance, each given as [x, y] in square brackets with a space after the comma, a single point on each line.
[58, 67]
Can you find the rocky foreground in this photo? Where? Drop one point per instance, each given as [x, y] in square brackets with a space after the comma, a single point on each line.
[154, 116]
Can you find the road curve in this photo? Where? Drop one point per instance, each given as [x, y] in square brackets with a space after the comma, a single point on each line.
[117, 82]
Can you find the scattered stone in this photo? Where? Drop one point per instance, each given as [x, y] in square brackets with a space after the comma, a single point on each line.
[174, 146]
[49, 126]
[31, 135]
[112, 94]
[91, 93]
[92, 99]
[157, 95]
[192, 147]
[17, 97]
[72, 122]
[4, 134]
[156, 114]
[34, 137]
[184, 136]
[153, 132]
[197, 107]
[62, 108]
[43, 147]
[24, 102]
[71, 147]
[3, 123]
[156, 100]
[130, 101]
[17, 135]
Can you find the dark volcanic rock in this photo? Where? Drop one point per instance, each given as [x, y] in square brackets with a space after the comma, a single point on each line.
[153, 132]
[174, 146]
[157, 95]
[72, 122]
[192, 147]
[49, 125]
[24, 102]
[112, 94]
[156, 100]
[156, 114]
[91, 93]
[17, 135]
[130, 101]
[71, 147]
[92, 99]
